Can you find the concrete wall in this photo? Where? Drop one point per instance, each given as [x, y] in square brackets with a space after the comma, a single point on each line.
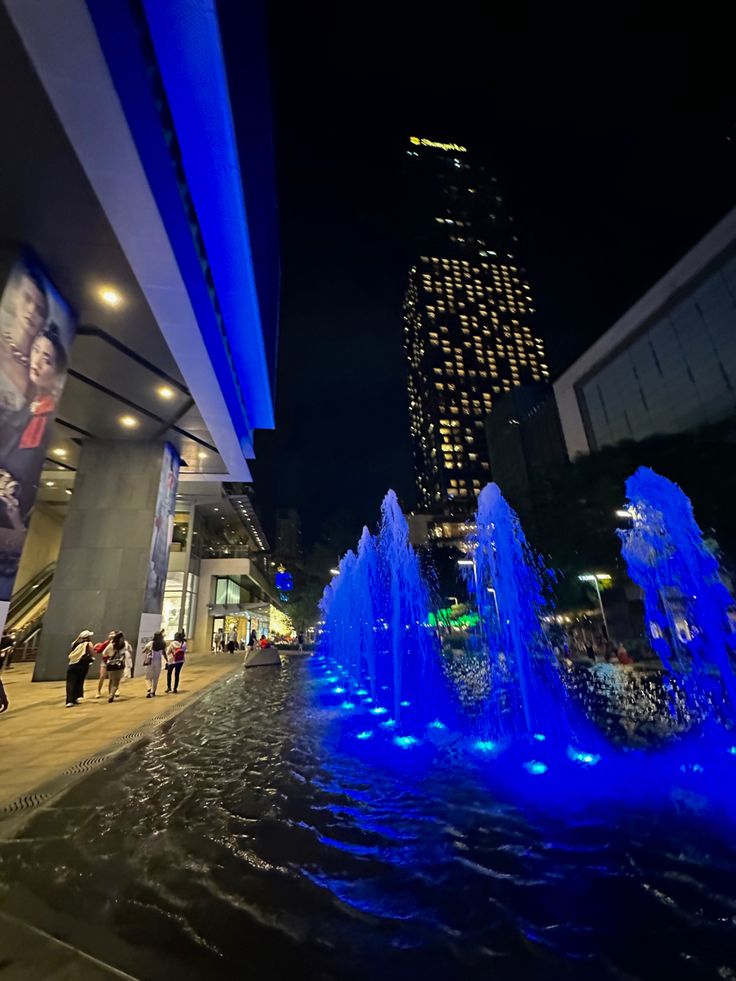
[42, 544]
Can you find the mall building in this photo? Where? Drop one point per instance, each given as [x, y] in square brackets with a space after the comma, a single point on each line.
[139, 281]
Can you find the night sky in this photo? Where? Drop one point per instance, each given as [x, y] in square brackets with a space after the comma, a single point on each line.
[614, 142]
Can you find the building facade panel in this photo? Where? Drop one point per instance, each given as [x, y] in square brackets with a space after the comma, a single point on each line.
[670, 361]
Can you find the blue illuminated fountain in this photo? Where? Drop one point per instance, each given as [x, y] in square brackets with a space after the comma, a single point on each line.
[688, 609]
[376, 632]
[526, 695]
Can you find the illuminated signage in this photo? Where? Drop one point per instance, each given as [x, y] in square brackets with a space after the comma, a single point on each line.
[420, 141]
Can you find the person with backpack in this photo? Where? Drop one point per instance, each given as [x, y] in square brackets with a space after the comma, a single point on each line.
[153, 655]
[81, 655]
[175, 653]
[116, 654]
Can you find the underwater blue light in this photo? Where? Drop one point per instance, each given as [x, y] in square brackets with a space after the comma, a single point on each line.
[587, 759]
[338, 690]
[691, 768]
[485, 745]
[379, 710]
[441, 725]
[366, 734]
[405, 742]
[347, 705]
[535, 768]
[405, 704]
[731, 750]
[540, 737]
[368, 700]
[362, 691]
[388, 724]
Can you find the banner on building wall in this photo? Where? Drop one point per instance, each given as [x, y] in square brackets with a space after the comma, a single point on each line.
[158, 561]
[36, 332]
[162, 531]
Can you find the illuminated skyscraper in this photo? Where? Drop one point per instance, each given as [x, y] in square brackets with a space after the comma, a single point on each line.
[468, 315]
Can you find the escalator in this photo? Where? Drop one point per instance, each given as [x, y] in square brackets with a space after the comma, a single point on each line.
[26, 611]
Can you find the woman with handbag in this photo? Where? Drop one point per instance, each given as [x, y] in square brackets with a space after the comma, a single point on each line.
[81, 656]
[115, 652]
[153, 655]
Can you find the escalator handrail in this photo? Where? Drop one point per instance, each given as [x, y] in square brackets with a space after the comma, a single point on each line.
[30, 591]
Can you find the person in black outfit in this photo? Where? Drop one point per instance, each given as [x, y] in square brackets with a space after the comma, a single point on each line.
[81, 655]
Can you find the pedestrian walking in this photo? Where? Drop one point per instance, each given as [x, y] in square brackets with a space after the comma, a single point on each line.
[81, 655]
[232, 641]
[219, 640]
[252, 640]
[100, 649]
[7, 649]
[175, 654]
[153, 656]
[115, 652]
[300, 641]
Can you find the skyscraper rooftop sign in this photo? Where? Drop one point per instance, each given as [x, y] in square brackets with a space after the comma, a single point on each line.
[420, 141]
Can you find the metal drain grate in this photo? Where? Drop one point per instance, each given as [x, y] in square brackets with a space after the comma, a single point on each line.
[84, 766]
[25, 803]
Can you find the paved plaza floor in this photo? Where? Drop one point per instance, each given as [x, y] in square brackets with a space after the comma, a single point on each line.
[41, 739]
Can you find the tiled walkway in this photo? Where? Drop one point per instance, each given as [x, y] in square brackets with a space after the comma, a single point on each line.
[40, 738]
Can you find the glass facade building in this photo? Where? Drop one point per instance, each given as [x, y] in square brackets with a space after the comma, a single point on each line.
[468, 319]
[669, 364]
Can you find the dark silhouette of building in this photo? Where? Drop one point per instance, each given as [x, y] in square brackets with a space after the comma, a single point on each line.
[288, 534]
[525, 441]
[468, 316]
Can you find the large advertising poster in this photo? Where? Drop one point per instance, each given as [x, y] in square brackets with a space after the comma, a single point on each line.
[162, 531]
[158, 563]
[36, 333]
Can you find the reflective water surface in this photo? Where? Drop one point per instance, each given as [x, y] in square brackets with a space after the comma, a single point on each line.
[245, 838]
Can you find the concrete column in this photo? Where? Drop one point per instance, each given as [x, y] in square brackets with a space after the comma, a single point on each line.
[111, 569]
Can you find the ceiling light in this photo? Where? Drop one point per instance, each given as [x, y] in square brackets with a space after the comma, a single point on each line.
[216, 509]
[165, 392]
[67, 491]
[202, 456]
[51, 483]
[59, 451]
[130, 422]
[110, 296]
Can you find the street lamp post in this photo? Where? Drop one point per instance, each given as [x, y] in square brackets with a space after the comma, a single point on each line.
[596, 578]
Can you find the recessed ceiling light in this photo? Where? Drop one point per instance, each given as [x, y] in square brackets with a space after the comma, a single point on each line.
[59, 451]
[110, 296]
[165, 392]
[130, 422]
[51, 483]
[216, 509]
[202, 456]
[67, 491]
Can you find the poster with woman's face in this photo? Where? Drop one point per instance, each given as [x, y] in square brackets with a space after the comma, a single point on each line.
[36, 333]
